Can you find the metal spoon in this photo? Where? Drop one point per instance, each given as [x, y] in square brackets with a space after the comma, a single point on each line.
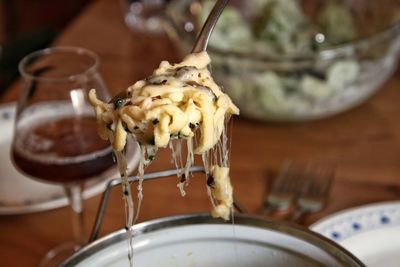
[200, 44]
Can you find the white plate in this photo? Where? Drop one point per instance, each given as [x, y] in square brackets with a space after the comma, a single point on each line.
[371, 232]
[20, 194]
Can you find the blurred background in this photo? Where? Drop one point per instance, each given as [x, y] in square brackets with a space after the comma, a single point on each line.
[292, 60]
[28, 25]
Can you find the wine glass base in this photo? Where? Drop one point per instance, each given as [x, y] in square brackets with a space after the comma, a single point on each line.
[57, 255]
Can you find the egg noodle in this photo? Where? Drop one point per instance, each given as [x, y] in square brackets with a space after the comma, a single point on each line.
[173, 105]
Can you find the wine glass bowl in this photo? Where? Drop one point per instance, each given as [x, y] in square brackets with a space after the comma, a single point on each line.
[55, 137]
[55, 131]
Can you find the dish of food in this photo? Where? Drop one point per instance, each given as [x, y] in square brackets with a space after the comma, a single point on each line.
[20, 194]
[370, 232]
[296, 60]
[282, 29]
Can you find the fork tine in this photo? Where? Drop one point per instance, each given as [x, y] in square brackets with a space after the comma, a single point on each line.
[315, 193]
[284, 189]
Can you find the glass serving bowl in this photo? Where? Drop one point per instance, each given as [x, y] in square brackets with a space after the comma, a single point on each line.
[295, 60]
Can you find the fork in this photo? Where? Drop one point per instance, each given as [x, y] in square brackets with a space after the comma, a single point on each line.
[285, 188]
[315, 193]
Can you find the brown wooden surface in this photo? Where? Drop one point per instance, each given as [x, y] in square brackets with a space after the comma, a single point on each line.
[364, 143]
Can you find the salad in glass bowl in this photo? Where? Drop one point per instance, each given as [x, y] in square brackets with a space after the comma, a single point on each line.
[292, 60]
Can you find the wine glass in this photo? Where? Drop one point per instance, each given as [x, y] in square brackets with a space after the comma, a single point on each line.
[56, 138]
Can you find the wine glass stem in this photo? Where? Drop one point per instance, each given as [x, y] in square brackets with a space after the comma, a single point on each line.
[74, 194]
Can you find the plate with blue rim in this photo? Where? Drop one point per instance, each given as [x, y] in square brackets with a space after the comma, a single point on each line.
[20, 194]
[370, 232]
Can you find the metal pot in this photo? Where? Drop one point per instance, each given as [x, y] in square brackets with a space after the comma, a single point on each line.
[199, 240]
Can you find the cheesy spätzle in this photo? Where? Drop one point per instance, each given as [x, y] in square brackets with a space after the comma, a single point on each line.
[173, 104]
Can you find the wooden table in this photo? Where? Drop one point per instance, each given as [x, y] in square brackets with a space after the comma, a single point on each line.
[364, 143]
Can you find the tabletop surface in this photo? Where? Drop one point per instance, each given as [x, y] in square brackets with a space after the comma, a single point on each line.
[363, 143]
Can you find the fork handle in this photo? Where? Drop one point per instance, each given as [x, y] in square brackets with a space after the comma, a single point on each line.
[205, 33]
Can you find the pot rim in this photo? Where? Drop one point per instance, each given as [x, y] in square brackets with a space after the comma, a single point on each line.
[300, 232]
